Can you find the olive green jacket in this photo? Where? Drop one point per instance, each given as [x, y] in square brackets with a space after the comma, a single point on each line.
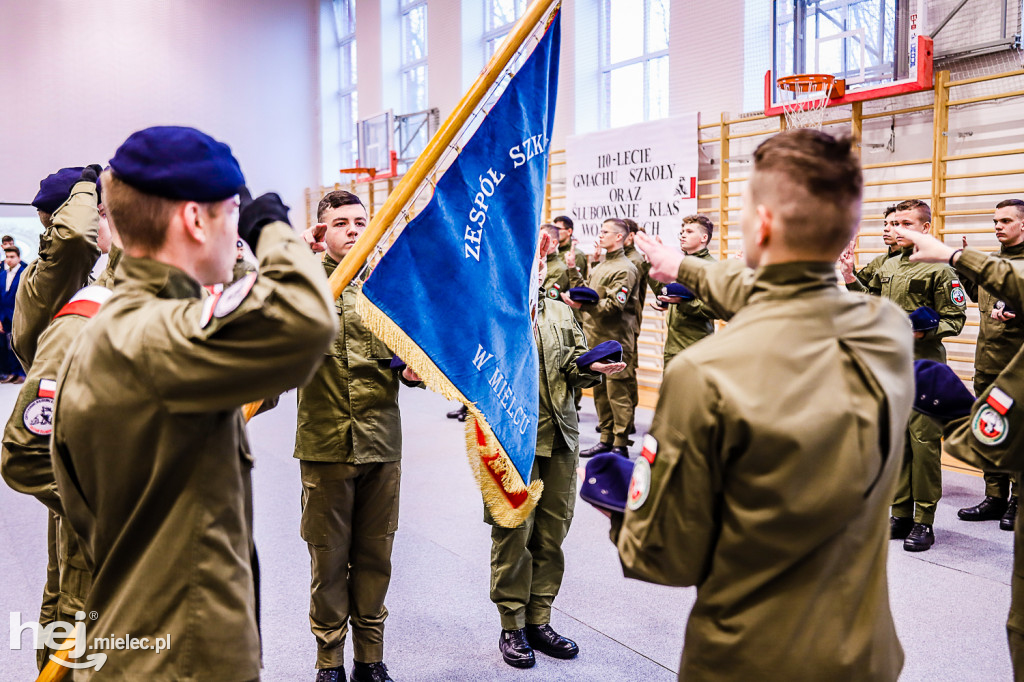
[864, 275]
[25, 456]
[771, 478]
[557, 281]
[990, 438]
[687, 322]
[912, 285]
[148, 452]
[582, 264]
[560, 341]
[614, 315]
[643, 268]
[998, 341]
[67, 253]
[348, 412]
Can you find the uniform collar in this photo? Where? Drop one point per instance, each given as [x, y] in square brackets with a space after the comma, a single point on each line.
[906, 251]
[617, 253]
[703, 253]
[1016, 250]
[628, 249]
[785, 280]
[563, 249]
[161, 279]
[552, 257]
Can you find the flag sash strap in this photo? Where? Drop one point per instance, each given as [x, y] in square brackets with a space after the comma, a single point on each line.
[452, 295]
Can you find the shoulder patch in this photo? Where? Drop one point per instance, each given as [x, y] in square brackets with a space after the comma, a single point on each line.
[639, 485]
[38, 416]
[223, 303]
[988, 426]
[620, 296]
[86, 302]
[957, 293]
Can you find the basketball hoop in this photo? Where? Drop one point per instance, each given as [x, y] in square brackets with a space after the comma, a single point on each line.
[812, 93]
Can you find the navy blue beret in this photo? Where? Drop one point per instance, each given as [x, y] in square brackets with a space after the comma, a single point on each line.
[608, 350]
[924, 319]
[606, 482]
[938, 391]
[583, 295]
[397, 363]
[178, 163]
[55, 189]
[677, 289]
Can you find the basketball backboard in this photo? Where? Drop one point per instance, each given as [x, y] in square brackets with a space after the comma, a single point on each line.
[874, 48]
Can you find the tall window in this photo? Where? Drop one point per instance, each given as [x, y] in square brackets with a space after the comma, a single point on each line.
[634, 61]
[499, 18]
[414, 55]
[345, 19]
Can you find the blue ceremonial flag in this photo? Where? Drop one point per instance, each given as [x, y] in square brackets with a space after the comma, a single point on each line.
[452, 295]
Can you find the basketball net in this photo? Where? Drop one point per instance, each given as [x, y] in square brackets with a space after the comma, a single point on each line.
[811, 94]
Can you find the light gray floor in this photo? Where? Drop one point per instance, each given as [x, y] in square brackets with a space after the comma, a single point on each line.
[950, 603]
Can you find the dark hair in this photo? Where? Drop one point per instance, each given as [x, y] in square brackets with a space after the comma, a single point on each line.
[1016, 203]
[338, 197]
[621, 224]
[7, 238]
[552, 230]
[889, 210]
[12, 249]
[631, 224]
[814, 183]
[703, 221]
[918, 205]
[565, 220]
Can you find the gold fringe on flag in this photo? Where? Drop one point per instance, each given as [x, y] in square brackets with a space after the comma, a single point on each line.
[508, 498]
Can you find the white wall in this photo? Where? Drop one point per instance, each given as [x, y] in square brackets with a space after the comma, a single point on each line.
[79, 77]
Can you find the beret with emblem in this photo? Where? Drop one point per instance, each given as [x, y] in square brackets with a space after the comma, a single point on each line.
[678, 290]
[583, 295]
[607, 351]
[606, 482]
[55, 188]
[178, 163]
[924, 319]
[939, 393]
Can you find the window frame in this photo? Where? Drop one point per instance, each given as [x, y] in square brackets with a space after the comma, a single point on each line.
[645, 58]
[347, 145]
[494, 34]
[405, 7]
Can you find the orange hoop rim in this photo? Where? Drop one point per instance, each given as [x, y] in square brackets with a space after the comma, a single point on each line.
[807, 82]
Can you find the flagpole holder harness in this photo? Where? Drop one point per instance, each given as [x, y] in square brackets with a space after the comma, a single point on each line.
[811, 95]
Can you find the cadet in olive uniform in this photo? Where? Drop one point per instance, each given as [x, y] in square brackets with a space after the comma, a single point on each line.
[163, 501]
[26, 464]
[687, 321]
[527, 562]
[611, 319]
[349, 444]
[639, 299]
[566, 244]
[991, 437]
[1000, 336]
[67, 252]
[858, 280]
[911, 285]
[556, 281]
[787, 547]
[242, 266]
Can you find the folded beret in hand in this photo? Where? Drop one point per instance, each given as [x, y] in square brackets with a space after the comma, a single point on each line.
[939, 393]
[606, 483]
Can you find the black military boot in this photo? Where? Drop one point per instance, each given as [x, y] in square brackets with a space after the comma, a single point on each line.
[598, 449]
[900, 527]
[1010, 517]
[370, 672]
[459, 413]
[515, 649]
[620, 450]
[330, 674]
[920, 539]
[597, 429]
[989, 509]
[545, 640]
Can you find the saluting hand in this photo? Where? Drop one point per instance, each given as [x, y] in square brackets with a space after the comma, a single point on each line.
[664, 261]
[928, 248]
[607, 368]
[315, 236]
[846, 265]
[570, 256]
